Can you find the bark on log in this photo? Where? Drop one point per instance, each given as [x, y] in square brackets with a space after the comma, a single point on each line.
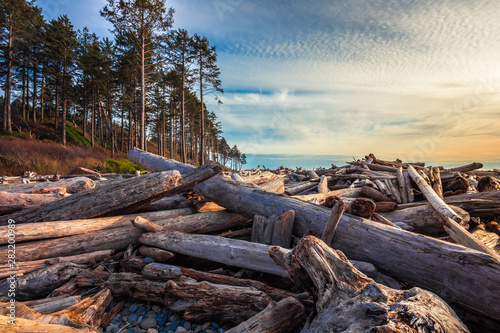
[41, 283]
[385, 206]
[73, 185]
[262, 229]
[52, 304]
[422, 261]
[284, 316]
[30, 266]
[200, 301]
[424, 219]
[158, 255]
[130, 194]
[362, 207]
[219, 249]
[435, 178]
[487, 184]
[459, 185]
[11, 202]
[120, 238]
[45, 230]
[350, 301]
[164, 272]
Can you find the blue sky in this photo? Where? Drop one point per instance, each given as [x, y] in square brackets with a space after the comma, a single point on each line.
[414, 79]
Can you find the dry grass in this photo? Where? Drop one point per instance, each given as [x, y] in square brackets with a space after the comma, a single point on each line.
[18, 155]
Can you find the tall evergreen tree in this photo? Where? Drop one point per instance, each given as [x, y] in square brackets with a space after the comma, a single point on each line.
[143, 20]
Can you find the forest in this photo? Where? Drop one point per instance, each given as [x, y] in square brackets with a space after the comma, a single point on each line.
[148, 84]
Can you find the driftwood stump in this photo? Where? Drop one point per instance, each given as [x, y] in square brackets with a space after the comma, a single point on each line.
[349, 301]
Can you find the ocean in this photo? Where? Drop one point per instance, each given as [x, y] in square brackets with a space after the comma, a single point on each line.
[309, 162]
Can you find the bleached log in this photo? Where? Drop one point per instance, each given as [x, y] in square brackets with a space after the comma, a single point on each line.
[276, 185]
[393, 190]
[401, 185]
[408, 187]
[435, 178]
[349, 301]
[236, 177]
[323, 185]
[173, 202]
[344, 193]
[374, 194]
[11, 202]
[25, 325]
[52, 304]
[45, 230]
[299, 188]
[282, 317]
[219, 249]
[466, 168]
[466, 282]
[73, 185]
[120, 238]
[333, 221]
[282, 229]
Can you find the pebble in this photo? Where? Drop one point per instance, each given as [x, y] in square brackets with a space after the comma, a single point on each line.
[141, 310]
[205, 325]
[215, 325]
[180, 329]
[152, 330]
[187, 325]
[175, 317]
[132, 318]
[148, 260]
[148, 323]
[156, 308]
[133, 308]
[172, 326]
[151, 314]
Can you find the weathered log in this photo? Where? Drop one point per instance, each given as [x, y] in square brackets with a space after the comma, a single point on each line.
[490, 239]
[466, 168]
[73, 185]
[409, 191]
[422, 261]
[374, 194]
[236, 177]
[108, 317]
[394, 191]
[52, 304]
[242, 254]
[323, 185]
[89, 278]
[284, 316]
[450, 218]
[385, 206]
[117, 196]
[362, 207]
[401, 185]
[262, 229]
[487, 184]
[145, 225]
[85, 314]
[282, 229]
[424, 219]
[11, 202]
[276, 185]
[344, 193]
[173, 202]
[350, 301]
[200, 301]
[458, 185]
[156, 253]
[45, 230]
[22, 268]
[299, 188]
[25, 325]
[380, 219]
[120, 238]
[40, 283]
[435, 178]
[333, 221]
[168, 272]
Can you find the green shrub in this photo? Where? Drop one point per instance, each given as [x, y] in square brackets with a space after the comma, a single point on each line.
[119, 166]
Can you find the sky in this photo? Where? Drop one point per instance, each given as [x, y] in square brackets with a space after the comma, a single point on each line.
[414, 79]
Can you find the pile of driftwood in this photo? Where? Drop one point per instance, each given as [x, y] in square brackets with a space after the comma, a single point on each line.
[374, 246]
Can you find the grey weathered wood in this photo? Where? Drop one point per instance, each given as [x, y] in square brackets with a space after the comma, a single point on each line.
[466, 282]
[299, 188]
[374, 194]
[424, 219]
[343, 193]
[45, 230]
[236, 177]
[11, 202]
[276, 185]
[349, 301]
[401, 185]
[323, 185]
[333, 221]
[435, 179]
[282, 317]
[282, 229]
[157, 254]
[466, 168]
[408, 187]
[219, 249]
[72, 185]
[258, 227]
[173, 202]
[120, 238]
[394, 190]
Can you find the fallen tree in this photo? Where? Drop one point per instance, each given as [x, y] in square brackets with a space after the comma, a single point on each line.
[457, 274]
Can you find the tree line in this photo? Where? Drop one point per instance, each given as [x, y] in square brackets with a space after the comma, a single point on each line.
[148, 84]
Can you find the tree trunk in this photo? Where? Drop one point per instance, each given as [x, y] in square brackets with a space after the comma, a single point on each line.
[7, 117]
[143, 91]
[72, 185]
[35, 79]
[119, 238]
[347, 300]
[461, 282]
[282, 317]
[243, 254]
[11, 202]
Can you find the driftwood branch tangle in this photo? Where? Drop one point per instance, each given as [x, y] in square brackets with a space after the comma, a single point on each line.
[455, 273]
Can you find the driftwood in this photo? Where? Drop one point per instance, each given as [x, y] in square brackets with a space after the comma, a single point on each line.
[120, 238]
[435, 179]
[466, 168]
[362, 207]
[344, 193]
[164, 272]
[130, 193]
[156, 253]
[348, 300]
[45, 230]
[85, 314]
[465, 282]
[299, 188]
[323, 185]
[41, 283]
[424, 219]
[276, 185]
[25, 325]
[52, 304]
[333, 221]
[11, 202]
[262, 229]
[30, 266]
[385, 206]
[374, 194]
[242, 254]
[488, 183]
[282, 229]
[73, 185]
[284, 316]
[207, 206]
[200, 301]
[172, 202]
[458, 185]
